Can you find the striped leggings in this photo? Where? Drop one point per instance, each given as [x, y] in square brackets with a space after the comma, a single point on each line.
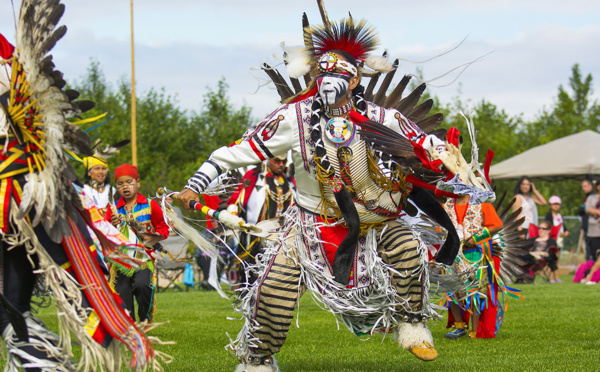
[280, 288]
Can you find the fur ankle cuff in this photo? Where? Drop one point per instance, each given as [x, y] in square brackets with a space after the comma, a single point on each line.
[413, 334]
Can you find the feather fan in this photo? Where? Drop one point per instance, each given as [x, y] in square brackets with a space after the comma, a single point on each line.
[512, 246]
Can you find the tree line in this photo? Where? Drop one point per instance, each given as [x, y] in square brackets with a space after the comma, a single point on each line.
[173, 142]
[572, 111]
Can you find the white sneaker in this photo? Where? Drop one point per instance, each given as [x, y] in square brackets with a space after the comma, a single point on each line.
[590, 282]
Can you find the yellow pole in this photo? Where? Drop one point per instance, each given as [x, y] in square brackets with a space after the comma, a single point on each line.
[133, 126]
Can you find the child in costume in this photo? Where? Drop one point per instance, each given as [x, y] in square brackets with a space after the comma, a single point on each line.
[143, 221]
[97, 181]
[475, 225]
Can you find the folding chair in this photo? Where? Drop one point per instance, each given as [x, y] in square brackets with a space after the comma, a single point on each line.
[539, 268]
[170, 272]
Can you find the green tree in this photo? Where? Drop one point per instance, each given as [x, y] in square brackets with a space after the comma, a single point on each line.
[219, 124]
[171, 142]
[572, 112]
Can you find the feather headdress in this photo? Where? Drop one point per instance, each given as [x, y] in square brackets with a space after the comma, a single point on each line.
[356, 39]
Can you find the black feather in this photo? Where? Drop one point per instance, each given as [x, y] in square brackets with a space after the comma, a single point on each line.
[50, 42]
[281, 85]
[56, 12]
[429, 124]
[420, 112]
[380, 97]
[57, 77]
[394, 98]
[344, 256]
[77, 138]
[121, 143]
[46, 65]
[84, 105]
[372, 83]
[72, 94]
[408, 103]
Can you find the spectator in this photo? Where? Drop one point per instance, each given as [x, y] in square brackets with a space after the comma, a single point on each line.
[528, 198]
[555, 218]
[592, 208]
[588, 272]
[587, 186]
[142, 221]
[543, 251]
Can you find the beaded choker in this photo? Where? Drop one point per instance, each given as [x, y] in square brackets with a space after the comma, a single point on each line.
[331, 112]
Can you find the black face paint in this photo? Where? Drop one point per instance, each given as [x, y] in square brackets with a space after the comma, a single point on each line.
[332, 87]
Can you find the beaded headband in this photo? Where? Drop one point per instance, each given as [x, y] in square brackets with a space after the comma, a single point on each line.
[329, 62]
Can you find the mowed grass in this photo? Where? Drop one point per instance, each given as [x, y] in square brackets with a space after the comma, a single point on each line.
[555, 328]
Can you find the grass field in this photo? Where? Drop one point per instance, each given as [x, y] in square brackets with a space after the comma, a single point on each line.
[555, 328]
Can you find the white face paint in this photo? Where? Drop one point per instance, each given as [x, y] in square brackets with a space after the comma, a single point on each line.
[332, 87]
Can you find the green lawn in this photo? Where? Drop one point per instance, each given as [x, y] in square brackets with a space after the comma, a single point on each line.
[555, 328]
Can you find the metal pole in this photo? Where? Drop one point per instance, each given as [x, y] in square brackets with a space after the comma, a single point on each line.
[133, 125]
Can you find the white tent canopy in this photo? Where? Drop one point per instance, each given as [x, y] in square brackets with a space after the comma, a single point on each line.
[574, 156]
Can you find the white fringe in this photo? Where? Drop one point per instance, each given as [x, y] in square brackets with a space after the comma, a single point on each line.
[67, 295]
[40, 338]
[364, 310]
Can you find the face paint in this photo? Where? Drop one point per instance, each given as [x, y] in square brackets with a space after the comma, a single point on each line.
[332, 87]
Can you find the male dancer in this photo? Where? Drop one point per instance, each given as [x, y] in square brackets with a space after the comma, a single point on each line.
[342, 234]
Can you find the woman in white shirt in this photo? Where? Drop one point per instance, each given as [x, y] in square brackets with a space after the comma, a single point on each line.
[528, 198]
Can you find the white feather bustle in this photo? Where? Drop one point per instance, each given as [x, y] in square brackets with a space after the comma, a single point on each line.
[379, 63]
[297, 60]
[413, 334]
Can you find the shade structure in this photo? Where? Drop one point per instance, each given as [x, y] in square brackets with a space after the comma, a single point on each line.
[570, 157]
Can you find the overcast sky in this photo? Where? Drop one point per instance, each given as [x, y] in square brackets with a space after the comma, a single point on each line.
[187, 45]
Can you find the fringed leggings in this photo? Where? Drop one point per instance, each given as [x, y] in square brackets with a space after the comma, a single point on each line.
[398, 248]
[279, 289]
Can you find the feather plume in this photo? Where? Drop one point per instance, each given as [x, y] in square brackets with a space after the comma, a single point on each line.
[297, 60]
[84, 105]
[29, 194]
[357, 39]
[513, 248]
[72, 94]
[418, 113]
[381, 63]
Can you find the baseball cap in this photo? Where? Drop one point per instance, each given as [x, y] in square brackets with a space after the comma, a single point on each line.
[554, 200]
